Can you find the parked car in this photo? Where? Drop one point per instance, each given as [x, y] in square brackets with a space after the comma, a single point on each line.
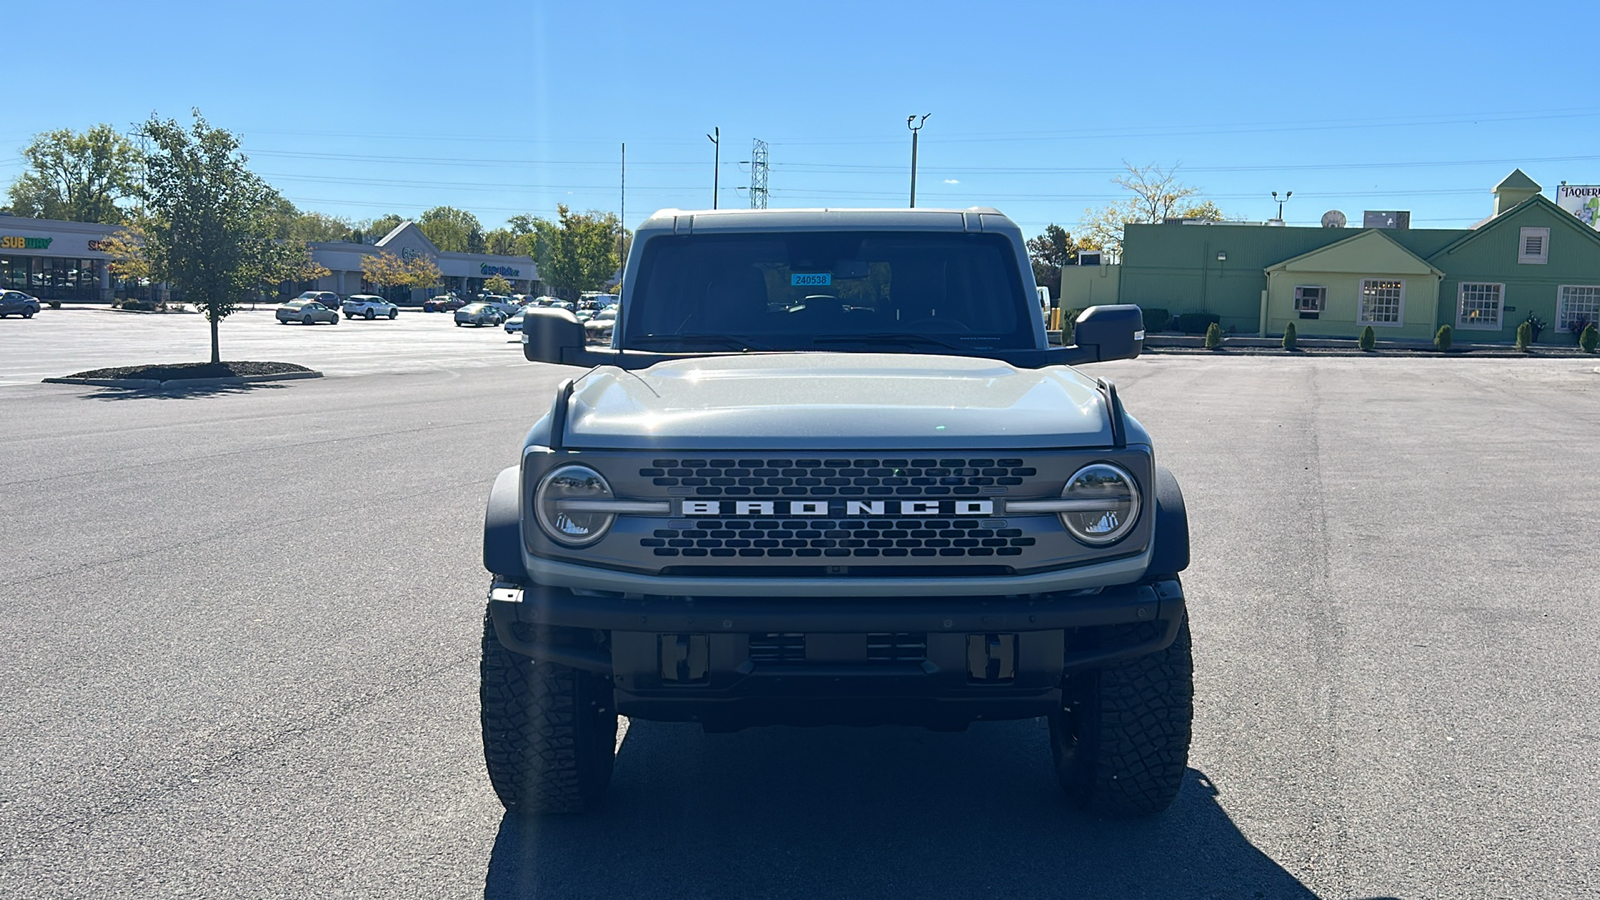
[597, 330]
[514, 324]
[306, 312]
[368, 306]
[326, 298]
[443, 303]
[504, 304]
[544, 300]
[480, 314]
[19, 303]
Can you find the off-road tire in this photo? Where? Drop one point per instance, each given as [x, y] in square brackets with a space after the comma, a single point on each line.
[1121, 745]
[549, 731]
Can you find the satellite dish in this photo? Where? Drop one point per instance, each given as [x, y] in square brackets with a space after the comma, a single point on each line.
[1333, 219]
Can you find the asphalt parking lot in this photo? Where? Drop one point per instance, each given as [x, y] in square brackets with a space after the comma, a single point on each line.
[241, 631]
[60, 342]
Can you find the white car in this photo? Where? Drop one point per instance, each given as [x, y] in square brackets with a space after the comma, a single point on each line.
[368, 306]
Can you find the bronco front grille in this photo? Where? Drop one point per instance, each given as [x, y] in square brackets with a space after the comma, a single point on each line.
[822, 477]
[882, 647]
[828, 538]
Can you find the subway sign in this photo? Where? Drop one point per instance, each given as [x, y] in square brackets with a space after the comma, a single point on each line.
[18, 242]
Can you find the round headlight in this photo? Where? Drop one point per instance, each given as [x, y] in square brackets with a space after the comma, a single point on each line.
[1105, 504]
[559, 505]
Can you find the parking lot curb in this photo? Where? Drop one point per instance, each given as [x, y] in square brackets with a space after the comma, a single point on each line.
[152, 384]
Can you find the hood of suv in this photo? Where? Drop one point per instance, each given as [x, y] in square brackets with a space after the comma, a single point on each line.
[846, 400]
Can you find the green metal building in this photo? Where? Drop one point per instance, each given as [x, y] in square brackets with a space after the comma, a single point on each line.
[1530, 258]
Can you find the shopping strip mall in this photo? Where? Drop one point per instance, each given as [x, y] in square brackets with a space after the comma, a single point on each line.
[67, 261]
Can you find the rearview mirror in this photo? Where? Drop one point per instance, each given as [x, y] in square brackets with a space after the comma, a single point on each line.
[1110, 332]
[551, 334]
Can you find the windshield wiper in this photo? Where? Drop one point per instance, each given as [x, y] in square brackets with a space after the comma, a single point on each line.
[729, 341]
[892, 337]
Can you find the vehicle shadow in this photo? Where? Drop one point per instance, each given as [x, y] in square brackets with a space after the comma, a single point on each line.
[870, 812]
[191, 392]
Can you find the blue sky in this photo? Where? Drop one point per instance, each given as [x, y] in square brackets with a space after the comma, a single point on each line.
[359, 109]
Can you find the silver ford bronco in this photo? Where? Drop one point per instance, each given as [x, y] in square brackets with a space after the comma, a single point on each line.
[831, 471]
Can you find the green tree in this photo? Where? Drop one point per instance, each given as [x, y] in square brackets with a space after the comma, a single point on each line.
[453, 230]
[1290, 336]
[579, 251]
[496, 284]
[501, 242]
[78, 177]
[209, 223]
[315, 226]
[1524, 336]
[1368, 339]
[1048, 253]
[1213, 336]
[1589, 338]
[1157, 196]
[373, 230]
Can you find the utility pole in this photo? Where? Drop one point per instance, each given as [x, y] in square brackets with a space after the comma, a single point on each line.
[1285, 199]
[716, 163]
[914, 129]
[758, 175]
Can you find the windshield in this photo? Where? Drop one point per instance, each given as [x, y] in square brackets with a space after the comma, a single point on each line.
[829, 290]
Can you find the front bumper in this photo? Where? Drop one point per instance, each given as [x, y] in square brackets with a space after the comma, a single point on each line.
[734, 661]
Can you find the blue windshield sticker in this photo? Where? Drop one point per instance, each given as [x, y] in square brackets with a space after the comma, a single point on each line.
[811, 279]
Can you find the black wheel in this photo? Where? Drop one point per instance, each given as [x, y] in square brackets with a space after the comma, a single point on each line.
[27, 315]
[549, 731]
[306, 320]
[371, 315]
[347, 315]
[283, 321]
[393, 313]
[1121, 745]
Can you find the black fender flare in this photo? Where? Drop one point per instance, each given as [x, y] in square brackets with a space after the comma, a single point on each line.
[502, 527]
[1170, 540]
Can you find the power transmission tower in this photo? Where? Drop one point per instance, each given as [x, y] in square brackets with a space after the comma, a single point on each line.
[758, 175]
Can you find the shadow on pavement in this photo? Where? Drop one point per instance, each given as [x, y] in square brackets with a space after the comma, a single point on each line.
[181, 393]
[872, 812]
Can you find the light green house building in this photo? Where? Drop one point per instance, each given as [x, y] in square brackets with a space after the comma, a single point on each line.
[1529, 258]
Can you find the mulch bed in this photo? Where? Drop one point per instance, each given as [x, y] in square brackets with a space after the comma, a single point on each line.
[175, 371]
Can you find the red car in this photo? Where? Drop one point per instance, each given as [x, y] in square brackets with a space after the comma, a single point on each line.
[443, 303]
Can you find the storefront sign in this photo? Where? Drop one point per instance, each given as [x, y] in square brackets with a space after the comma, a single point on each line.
[1582, 200]
[100, 246]
[18, 242]
[507, 271]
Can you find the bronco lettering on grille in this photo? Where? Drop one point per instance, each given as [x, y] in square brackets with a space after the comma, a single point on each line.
[836, 508]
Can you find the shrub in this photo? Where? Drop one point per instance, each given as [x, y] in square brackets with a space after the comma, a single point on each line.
[1589, 338]
[1289, 336]
[1194, 323]
[1155, 318]
[1069, 325]
[1213, 336]
[1369, 338]
[1442, 338]
[139, 305]
[1524, 336]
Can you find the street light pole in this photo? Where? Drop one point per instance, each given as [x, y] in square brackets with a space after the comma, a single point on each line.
[914, 129]
[716, 163]
[1286, 197]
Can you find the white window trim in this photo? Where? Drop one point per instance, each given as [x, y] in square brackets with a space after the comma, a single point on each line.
[1322, 306]
[1544, 243]
[1561, 290]
[1400, 314]
[1500, 312]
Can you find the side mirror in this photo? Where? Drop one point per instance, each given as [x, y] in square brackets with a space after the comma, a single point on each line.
[1110, 332]
[551, 335]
